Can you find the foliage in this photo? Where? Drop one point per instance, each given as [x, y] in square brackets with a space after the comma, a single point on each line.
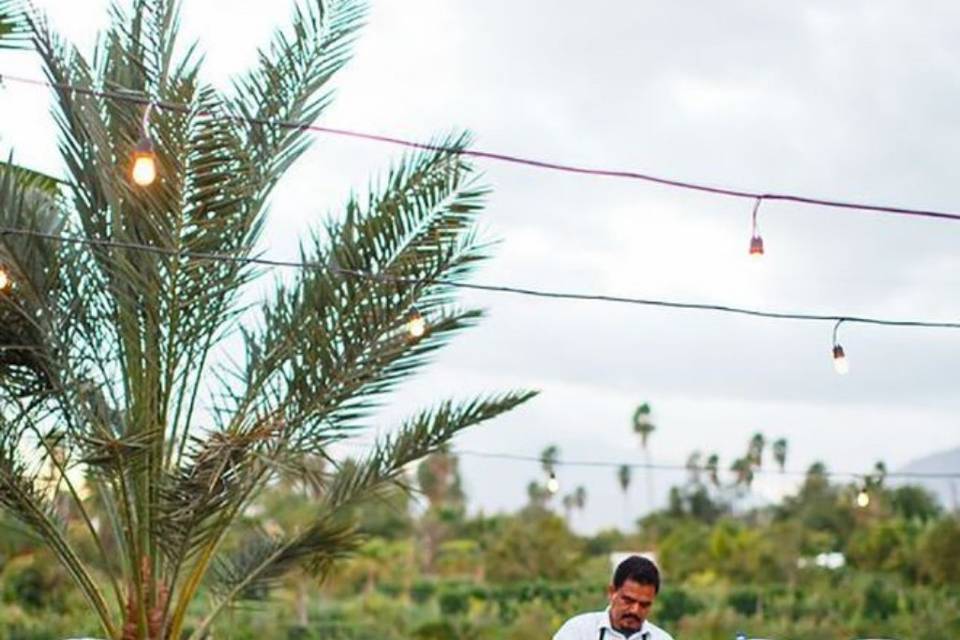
[142, 379]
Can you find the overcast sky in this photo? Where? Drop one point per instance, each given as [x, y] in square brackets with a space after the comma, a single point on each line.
[854, 100]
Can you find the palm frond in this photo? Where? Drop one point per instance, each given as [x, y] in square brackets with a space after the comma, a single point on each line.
[250, 572]
[418, 437]
[343, 334]
[29, 323]
[13, 30]
[290, 83]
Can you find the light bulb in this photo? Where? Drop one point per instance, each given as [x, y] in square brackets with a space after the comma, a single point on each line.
[416, 325]
[553, 485]
[756, 247]
[4, 279]
[840, 362]
[863, 499]
[144, 163]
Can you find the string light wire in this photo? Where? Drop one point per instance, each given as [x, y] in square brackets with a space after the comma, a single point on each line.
[758, 197]
[654, 466]
[701, 468]
[137, 98]
[522, 291]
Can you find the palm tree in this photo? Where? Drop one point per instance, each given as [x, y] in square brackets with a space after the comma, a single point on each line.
[177, 400]
[624, 477]
[580, 497]
[569, 502]
[548, 462]
[643, 427]
[548, 459]
[879, 472]
[743, 468]
[780, 453]
[713, 469]
[694, 467]
[755, 450]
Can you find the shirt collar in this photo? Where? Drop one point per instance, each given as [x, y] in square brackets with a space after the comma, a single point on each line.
[604, 623]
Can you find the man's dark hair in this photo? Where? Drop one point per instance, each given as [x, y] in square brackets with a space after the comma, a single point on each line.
[640, 570]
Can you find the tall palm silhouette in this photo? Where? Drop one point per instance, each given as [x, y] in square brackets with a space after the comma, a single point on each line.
[643, 426]
[624, 478]
[780, 453]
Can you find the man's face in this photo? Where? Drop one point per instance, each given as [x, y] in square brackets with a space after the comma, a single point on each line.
[630, 605]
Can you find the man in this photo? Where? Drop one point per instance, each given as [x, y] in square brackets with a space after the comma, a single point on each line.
[636, 583]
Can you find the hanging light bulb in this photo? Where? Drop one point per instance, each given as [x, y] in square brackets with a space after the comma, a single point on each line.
[553, 485]
[840, 363]
[144, 163]
[4, 278]
[863, 498]
[144, 171]
[756, 242]
[416, 324]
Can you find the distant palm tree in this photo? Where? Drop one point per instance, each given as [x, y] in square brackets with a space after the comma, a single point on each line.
[548, 459]
[643, 426]
[569, 502]
[780, 453]
[880, 472]
[713, 469]
[755, 450]
[694, 467]
[624, 477]
[743, 467]
[580, 497]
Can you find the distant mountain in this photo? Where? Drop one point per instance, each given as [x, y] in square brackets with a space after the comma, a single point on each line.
[947, 490]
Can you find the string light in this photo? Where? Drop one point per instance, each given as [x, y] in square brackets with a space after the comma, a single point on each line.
[756, 242]
[522, 291]
[840, 363]
[416, 324]
[553, 485]
[133, 97]
[144, 171]
[863, 498]
[5, 280]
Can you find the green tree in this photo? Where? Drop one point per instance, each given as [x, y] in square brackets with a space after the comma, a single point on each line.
[940, 551]
[112, 350]
[914, 502]
[533, 545]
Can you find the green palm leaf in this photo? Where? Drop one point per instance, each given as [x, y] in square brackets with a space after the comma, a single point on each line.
[177, 401]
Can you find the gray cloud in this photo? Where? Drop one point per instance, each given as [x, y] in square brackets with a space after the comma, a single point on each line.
[855, 101]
